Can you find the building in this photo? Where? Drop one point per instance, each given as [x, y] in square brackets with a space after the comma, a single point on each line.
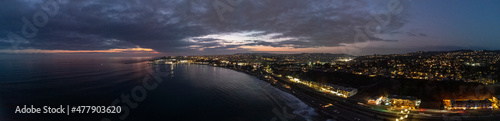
[342, 91]
[327, 88]
[495, 101]
[404, 101]
[348, 91]
[464, 104]
[379, 101]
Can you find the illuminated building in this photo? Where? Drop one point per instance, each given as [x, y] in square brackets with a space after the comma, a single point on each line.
[463, 104]
[404, 101]
[327, 88]
[495, 101]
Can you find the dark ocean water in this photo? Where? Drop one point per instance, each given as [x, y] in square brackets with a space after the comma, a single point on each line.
[185, 92]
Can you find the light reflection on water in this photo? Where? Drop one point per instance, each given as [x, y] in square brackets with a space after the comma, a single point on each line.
[195, 92]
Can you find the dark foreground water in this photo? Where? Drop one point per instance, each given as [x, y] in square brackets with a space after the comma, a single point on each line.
[183, 92]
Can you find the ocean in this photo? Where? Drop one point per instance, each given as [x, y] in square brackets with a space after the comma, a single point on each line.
[145, 92]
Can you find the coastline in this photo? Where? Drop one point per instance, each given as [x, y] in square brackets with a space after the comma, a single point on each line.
[347, 106]
[298, 95]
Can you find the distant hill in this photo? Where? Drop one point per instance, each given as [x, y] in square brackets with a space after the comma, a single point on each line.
[254, 54]
[301, 54]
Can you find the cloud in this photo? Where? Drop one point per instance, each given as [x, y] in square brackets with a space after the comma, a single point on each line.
[422, 34]
[127, 50]
[166, 25]
[413, 34]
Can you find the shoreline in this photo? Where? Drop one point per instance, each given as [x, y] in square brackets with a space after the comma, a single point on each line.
[298, 95]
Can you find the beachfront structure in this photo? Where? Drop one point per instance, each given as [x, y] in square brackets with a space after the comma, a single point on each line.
[242, 63]
[327, 88]
[404, 101]
[464, 104]
[396, 101]
[379, 101]
[344, 91]
[495, 101]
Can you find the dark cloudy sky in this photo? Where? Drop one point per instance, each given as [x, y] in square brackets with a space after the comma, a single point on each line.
[193, 27]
